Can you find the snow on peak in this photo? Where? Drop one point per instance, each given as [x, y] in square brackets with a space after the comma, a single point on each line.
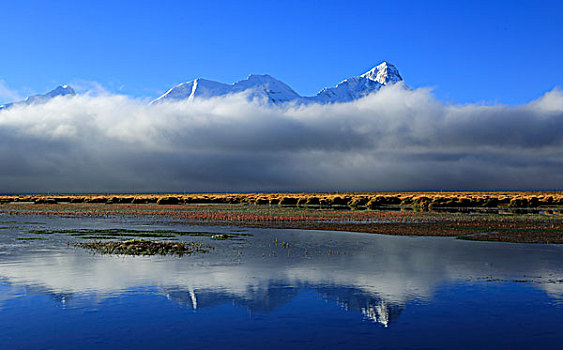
[261, 77]
[357, 87]
[264, 86]
[256, 85]
[385, 73]
[61, 90]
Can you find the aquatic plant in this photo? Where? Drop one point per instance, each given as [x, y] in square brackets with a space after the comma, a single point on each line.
[144, 247]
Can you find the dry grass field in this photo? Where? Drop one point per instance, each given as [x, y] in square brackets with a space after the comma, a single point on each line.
[353, 200]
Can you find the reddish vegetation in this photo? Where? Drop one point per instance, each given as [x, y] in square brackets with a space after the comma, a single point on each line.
[546, 227]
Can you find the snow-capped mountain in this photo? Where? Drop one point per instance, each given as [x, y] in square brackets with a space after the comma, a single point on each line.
[358, 87]
[61, 90]
[275, 91]
[259, 86]
[256, 85]
[265, 85]
[384, 74]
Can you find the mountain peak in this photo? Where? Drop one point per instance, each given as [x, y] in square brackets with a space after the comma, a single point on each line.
[253, 76]
[385, 73]
[61, 90]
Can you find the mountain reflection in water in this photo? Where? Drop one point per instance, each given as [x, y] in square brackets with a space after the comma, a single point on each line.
[375, 278]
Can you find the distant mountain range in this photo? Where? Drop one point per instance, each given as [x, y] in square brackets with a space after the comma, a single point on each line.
[261, 86]
[62, 90]
[275, 91]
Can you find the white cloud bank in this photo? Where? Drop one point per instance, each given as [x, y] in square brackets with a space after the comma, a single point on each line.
[396, 139]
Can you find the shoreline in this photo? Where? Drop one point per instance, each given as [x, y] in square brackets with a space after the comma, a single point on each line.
[544, 228]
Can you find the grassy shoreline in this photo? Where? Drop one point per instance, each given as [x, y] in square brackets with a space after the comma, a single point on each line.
[544, 227]
[352, 200]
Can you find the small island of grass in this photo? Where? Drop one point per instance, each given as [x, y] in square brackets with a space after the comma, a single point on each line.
[144, 247]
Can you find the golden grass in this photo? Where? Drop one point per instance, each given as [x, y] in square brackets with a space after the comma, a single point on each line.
[354, 200]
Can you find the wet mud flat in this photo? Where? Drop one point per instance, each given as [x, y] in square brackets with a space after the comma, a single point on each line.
[493, 224]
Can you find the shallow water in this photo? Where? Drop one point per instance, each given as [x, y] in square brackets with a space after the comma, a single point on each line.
[327, 290]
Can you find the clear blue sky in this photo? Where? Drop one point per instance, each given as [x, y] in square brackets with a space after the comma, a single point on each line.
[470, 51]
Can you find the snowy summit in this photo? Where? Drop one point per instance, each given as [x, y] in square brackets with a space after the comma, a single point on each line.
[277, 92]
[259, 86]
[256, 85]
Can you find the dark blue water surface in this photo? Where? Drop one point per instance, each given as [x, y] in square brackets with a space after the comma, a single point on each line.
[327, 290]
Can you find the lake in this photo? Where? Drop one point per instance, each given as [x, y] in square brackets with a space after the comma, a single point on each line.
[267, 288]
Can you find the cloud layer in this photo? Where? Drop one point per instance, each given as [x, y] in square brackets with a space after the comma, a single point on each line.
[397, 139]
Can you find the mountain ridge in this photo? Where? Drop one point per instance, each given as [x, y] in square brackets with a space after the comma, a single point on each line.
[276, 91]
[61, 90]
[257, 86]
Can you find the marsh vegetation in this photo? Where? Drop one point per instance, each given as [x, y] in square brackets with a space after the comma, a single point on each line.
[145, 247]
[529, 217]
[352, 200]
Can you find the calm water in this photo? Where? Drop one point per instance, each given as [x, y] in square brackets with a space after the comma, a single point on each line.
[327, 290]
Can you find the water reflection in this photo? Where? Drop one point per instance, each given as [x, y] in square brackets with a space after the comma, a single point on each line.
[375, 309]
[372, 276]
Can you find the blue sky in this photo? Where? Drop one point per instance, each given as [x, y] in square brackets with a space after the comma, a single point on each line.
[469, 51]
